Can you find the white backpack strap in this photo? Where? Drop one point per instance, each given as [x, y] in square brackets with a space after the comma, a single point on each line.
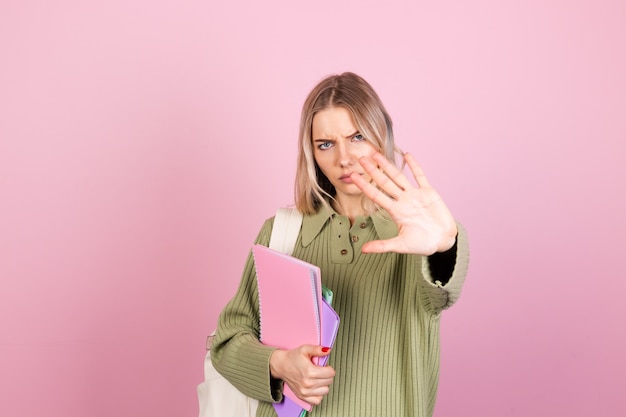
[285, 231]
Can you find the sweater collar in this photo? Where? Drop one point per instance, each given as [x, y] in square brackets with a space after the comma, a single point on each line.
[313, 224]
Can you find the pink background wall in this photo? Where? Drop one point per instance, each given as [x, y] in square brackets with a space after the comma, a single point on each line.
[143, 143]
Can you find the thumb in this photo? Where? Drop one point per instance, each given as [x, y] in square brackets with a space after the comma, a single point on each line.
[323, 351]
[314, 350]
[378, 246]
[320, 352]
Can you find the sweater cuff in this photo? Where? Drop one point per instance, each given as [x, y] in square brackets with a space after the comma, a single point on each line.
[442, 292]
[441, 264]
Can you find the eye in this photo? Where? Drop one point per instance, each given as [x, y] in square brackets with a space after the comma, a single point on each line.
[358, 137]
[325, 145]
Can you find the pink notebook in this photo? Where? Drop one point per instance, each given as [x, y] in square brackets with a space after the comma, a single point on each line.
[290, 300]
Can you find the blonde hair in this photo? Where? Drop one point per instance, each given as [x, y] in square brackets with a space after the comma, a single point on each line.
[353, 93]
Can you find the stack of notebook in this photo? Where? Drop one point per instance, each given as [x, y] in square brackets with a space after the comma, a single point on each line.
[295, 310]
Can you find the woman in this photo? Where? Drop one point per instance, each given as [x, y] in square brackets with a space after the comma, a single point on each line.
[390, 251]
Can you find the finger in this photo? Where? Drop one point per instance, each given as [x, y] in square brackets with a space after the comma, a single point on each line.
[312, 395]
[382, 246]
[392, 171]
[324, 351]
[315, 400]
[315, 385]
[318, 385]
[374, 246]
[372, 192]
[416, 169]
[383, 180]
[315, 350]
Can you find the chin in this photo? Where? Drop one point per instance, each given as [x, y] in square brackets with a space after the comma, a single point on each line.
[349, 190]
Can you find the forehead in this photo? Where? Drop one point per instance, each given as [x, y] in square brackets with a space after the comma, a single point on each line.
[333, 122]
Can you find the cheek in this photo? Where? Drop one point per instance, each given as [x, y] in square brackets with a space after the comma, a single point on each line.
[321, 159]
[368, 149]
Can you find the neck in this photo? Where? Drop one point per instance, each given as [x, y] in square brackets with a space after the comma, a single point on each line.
[350, 207]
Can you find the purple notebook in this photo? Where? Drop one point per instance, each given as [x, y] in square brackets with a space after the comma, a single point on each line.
[330, 326]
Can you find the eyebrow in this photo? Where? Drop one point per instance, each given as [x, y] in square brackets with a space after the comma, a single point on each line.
[332, 140]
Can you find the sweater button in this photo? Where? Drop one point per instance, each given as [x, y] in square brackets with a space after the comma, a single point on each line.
[344, 251]
[355, 239]
[363, 225]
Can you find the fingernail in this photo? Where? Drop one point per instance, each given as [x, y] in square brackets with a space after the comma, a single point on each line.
[325, 349]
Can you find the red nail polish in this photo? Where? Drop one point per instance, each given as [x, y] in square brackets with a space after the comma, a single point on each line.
[325, 349]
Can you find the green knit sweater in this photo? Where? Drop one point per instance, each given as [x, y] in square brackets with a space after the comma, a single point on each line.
[386, 355]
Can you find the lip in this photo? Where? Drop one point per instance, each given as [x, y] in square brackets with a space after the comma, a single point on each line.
[346, 178]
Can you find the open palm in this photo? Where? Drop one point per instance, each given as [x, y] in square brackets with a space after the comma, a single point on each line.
[425, 225]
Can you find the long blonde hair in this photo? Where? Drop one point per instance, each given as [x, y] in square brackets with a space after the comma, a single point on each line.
[356, 95]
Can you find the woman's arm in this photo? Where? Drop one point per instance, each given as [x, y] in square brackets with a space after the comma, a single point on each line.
[257, 370]
[425, 227]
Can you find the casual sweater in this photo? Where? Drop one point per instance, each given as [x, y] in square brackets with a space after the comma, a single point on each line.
[386, 355]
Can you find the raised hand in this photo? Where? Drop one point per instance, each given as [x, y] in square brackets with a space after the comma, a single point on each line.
[425, 225]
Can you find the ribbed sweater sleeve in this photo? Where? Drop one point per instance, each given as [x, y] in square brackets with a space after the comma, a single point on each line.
[236, 351]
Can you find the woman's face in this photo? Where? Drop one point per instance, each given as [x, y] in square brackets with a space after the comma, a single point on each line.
[337, 147]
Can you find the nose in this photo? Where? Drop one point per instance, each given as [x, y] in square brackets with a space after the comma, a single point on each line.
[345, 155]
